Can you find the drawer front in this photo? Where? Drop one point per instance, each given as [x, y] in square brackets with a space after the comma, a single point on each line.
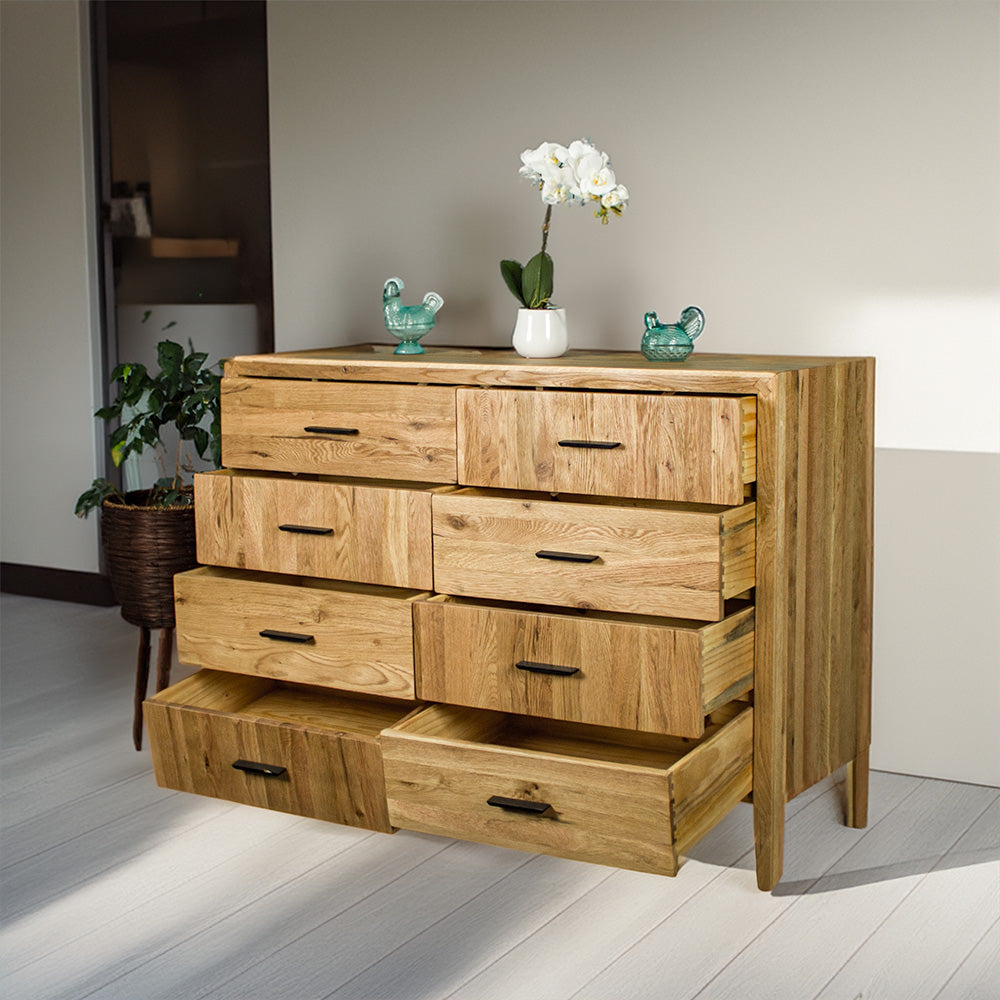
[635, 807]
[336, 635]
[342, 531]
[671, 562]
[685, 448]
[662, 678]
[291, 753]
[339, 428]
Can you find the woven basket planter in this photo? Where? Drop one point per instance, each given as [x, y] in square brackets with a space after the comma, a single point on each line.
[144, 548]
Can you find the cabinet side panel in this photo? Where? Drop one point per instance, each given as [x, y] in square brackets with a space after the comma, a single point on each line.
[829, 679]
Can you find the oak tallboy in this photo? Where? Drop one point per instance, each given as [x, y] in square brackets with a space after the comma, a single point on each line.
[580, 606]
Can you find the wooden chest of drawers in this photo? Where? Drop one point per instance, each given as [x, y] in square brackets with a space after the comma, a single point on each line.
[581, 606]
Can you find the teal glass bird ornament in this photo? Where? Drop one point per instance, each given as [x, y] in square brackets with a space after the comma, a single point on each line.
[408, 323]
[672, 341]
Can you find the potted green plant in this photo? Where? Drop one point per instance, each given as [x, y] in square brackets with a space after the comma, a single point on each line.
[578, 174]
[148, 535]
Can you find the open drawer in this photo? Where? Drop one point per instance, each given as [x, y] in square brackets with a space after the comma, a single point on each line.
[294, 748]
[608, 796]
[349, 636]
[660, 675]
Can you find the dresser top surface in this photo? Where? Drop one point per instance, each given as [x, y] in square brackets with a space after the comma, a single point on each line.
[497, 366]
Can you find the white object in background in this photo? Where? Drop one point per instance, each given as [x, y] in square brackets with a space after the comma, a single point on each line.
[540, 333]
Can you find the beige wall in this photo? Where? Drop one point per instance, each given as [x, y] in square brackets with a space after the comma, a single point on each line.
[819, 177]
[48, 318]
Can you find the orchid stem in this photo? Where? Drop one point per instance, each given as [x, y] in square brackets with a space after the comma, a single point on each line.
[545, 227]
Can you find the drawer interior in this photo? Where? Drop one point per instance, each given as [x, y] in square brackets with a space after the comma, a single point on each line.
[552, 738]
[260, 699]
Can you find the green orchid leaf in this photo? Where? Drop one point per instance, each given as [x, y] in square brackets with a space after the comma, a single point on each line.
[536, 281]
[512, 271]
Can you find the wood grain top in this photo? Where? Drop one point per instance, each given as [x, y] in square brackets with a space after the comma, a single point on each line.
[588, 369]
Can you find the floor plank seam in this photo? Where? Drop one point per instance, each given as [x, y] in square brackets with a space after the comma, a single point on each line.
[793, 900]
[993, 929]
[88, 832]
[916, 885]
[521, 941]
[220, 919]
[424, 930]
[63, 942]
[94, 792]
[687, 900]
[68, 886]
[334, 916]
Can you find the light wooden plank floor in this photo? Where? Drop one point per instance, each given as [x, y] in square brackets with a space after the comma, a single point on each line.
[115, 889]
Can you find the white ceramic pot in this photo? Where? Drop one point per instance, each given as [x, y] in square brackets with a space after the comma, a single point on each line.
[540, 333]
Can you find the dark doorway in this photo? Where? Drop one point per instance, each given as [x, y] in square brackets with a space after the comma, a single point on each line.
[182, 136]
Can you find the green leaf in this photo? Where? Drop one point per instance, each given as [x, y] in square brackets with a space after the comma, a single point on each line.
[201, 440]
[170, 357]
[511, 271]
[91, 499]
[536, 281]
[193, 363]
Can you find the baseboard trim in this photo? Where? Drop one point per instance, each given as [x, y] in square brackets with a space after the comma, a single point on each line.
[56, 584]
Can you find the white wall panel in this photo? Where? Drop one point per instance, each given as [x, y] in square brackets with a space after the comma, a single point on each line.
[48, 296]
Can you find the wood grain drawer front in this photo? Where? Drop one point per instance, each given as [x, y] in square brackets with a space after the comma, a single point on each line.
[650, 559]
[368, 533]
[340, 635]
[687, 448]
[660, 676]
[339, 428]
[295, 749]
[599, 795]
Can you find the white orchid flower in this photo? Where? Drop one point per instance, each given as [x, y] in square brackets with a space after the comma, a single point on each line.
[617, 197]
[548, 158]
[596, 176]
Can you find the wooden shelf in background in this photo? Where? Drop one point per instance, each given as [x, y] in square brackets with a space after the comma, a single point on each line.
[167, 246]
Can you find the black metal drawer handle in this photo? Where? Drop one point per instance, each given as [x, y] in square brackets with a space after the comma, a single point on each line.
[264, 770]
[605, 445]
[330, 430]
[304, 529]
[567, 556]
[273, 633]
[546, 668]
[517, 805]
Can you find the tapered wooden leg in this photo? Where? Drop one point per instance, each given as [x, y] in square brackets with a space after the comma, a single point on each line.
[769, 838]
[163, 657]
[856, 787]
[141, 682]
